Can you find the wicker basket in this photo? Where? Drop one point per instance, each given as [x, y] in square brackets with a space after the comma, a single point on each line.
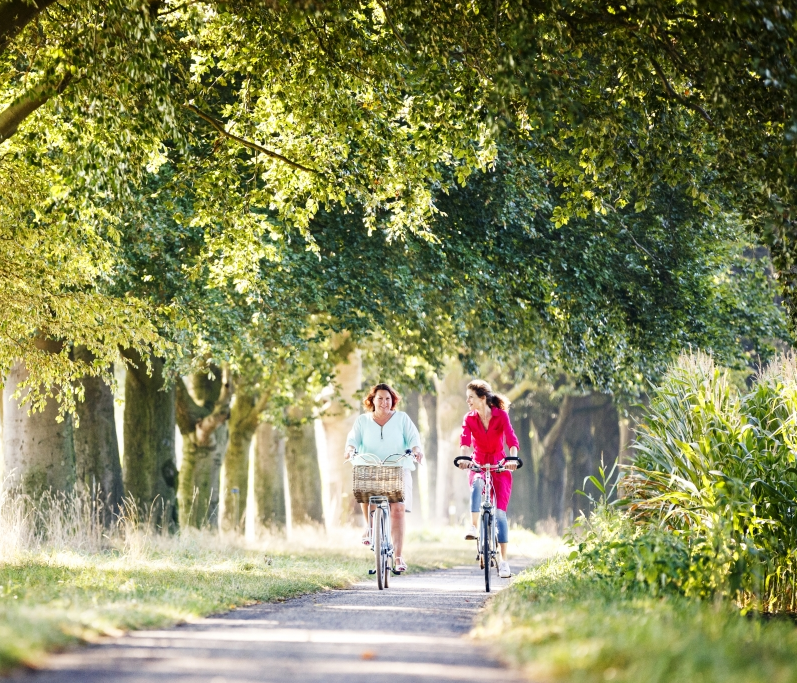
[372, 480]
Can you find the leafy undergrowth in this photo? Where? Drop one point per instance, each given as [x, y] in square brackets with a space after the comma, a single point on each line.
[561, 624]
[56, 596]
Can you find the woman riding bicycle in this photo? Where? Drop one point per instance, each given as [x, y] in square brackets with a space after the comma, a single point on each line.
[486, 427]
[383, 431]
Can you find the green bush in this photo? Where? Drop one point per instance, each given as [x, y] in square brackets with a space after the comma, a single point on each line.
[711, 495]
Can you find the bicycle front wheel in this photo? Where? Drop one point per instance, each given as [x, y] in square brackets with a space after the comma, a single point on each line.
[380, 561]
[388, 565]
[486, 549]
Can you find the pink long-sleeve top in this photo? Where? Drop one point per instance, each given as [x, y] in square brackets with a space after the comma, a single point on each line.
[488, 448]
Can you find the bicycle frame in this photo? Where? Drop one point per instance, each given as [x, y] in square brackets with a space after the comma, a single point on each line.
[379, 519]
[487, 543]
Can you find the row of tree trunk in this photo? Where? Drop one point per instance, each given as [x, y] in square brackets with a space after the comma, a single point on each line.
[294, 474]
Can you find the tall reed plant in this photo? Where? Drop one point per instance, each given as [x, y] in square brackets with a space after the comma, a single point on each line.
[715, 467]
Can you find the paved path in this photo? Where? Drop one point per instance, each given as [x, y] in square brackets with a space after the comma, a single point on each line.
[412, 632]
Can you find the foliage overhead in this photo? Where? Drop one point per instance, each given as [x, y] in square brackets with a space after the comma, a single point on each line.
[221, 135]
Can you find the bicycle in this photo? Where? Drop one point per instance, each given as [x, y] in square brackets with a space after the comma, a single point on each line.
[372, 474]
[487, 543]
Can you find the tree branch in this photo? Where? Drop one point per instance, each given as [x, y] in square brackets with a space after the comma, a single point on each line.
[674, 95]
[21, 108]
[558, 426]
[221, 409]
[15, 15]
[393, 27]
[219, 126]
[188, 411]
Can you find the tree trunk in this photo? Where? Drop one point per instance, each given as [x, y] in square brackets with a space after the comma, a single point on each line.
[453, 497]
[304, 475]
[520, 507]
[149, 471]
[97, 464]
[243, 424]
[550, 470]
[412, 408]
[201, 418]
[269, 455]
[431, 450]
[39, 451]
[338, 420]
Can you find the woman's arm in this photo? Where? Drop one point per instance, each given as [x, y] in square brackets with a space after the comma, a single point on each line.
[465, 441]
[412, 438]
[354, 439]
[512, 442]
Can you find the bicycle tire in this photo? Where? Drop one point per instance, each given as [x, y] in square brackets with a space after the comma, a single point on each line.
[386, 545]
[380, 562]
[486, 551]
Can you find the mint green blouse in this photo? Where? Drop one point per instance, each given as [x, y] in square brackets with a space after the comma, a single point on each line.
[396, 436]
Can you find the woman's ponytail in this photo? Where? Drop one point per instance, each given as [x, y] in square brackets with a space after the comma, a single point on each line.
[483, 390]
[497, 401]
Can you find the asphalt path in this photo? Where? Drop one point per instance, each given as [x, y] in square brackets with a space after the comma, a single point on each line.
[415, 631]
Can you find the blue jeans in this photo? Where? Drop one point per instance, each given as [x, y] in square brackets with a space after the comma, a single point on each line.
[500, 515]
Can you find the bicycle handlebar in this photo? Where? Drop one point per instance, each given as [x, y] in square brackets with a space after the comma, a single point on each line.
[375, 460]
[500, 467]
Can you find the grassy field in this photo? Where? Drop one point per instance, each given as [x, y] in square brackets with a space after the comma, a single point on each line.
[560, 626]
[57, 595]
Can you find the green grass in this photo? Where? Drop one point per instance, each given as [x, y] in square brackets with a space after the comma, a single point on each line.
[53, 598]
[562, 626]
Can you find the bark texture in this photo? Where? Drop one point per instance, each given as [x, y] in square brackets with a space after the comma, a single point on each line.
[202, 415]
[304, 475]
[15, 113]
[269, 486]
[561, 443]
[430, 449]
[149, 469]
[338, 420]
[38, 450]
[15, 15]
[243, 422]
[252, 398]
[412, 407]
[97, 464]
[452, 484]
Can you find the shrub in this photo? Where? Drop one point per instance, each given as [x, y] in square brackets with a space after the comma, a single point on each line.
[710, 498]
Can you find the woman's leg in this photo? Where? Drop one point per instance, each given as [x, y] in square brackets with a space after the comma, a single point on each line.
[476, 499]
[503, 533]
[397, 527]
[367, 518]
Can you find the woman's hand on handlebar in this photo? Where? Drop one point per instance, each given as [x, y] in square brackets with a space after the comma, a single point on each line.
[511, 465]
[350, 451]
[418, 454]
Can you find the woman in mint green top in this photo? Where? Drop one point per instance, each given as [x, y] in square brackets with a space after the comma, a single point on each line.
[384, 431]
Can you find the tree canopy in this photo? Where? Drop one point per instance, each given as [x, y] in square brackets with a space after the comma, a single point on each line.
[564, 178]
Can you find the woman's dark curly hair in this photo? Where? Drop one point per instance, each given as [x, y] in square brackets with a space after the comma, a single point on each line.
[368, 401]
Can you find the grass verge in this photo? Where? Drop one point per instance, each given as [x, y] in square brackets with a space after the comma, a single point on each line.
[559, 625]
[56, 595]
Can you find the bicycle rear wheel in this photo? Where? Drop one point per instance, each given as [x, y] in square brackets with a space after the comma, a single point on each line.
[486, 549]
[380, 561]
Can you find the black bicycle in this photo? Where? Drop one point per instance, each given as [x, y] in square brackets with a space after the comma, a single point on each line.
[487, 543]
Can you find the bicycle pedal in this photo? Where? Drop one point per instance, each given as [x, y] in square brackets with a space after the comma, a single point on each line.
[372, 571]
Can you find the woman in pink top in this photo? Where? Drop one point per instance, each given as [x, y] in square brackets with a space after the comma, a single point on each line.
[486, 427]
